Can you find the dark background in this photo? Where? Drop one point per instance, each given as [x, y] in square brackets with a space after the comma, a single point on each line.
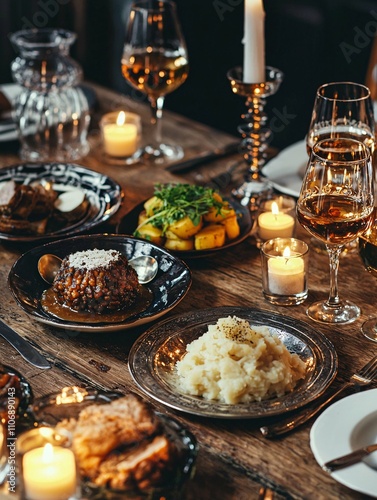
[311, 41]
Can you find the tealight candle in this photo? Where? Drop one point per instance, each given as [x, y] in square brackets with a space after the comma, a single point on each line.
[121, 133]
[284, 270]
[47, 465]
[49, 473]
[286, 273]
[275, 224]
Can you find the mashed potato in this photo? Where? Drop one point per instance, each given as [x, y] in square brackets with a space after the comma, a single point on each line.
[234, 362]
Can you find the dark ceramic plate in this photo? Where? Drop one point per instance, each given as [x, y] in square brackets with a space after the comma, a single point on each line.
[104, 194]
[129, 223]
[168, 288]
[68, 403]
[14, 385]
[153, 357]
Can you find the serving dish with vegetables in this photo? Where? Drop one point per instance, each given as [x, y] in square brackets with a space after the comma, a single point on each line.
[189, 220]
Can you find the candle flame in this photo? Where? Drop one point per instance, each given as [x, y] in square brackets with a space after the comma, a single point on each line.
[274, 208]
[121, 118]
[48, 453]
[286, 252]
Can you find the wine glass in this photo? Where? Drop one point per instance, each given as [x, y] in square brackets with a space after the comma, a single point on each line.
[155, 62]
[335, 205]
[368, 254]
[342, 109]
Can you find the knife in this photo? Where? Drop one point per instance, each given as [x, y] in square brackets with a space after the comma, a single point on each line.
[202, 158]
[27, 351]
[349, 459]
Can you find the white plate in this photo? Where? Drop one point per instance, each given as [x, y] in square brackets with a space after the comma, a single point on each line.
[286, 170]
[345, 426]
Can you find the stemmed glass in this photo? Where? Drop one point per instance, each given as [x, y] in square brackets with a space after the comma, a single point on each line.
[368, 254]
[155, 62]
[342, 109]
[335, 205]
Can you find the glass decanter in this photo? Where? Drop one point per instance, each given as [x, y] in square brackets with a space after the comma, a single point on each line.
[51, 112]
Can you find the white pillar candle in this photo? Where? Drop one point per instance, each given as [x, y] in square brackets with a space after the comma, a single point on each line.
[275, 224]
[254, 57]
[286, 273]
[49, 473]
[120, 138]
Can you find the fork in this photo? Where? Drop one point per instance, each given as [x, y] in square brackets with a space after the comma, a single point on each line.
[365, 376]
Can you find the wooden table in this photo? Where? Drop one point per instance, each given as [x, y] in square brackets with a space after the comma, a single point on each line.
[234, 460]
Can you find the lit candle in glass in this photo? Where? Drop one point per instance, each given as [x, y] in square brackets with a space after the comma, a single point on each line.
[47, 465]
[275, 224]
[286, 273]
[49, 473]
[121, 133]
[285, 270]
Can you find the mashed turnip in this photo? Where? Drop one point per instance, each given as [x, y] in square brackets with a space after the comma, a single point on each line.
[234, 362]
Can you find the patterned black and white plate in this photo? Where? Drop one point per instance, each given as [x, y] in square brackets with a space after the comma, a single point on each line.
[103, 193]
[167, 289]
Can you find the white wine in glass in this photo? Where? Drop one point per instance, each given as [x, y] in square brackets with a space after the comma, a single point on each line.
[155, 62]
[342, 109]
[336, 205]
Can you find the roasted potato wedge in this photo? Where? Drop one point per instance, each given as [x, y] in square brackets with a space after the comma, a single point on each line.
[185, 228]
[142, 217]
[178, 244]
[232, 228]
[152, 204]
[210, 236]
[151, 233]
[218, 215]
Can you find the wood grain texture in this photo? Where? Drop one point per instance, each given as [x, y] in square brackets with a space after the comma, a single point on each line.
[235, 460]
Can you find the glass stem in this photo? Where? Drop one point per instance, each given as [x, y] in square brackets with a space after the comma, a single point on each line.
[156, 108]
[334, 254]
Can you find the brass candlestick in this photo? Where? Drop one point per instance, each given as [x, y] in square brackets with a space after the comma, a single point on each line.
[254, 133]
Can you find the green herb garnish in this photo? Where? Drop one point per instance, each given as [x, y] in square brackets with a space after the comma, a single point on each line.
[179, 201]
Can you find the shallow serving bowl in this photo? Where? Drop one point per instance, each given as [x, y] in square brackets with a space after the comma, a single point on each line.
[168, 288]
[51, 409]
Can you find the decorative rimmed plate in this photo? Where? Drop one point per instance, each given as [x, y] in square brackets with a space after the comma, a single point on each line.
[345, 426]
[287, 169]
[154, 354]
[168, 288]
[66, 404]
[103, 193]
[129, 223]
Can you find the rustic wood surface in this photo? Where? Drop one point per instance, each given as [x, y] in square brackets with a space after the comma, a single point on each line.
[235, 460]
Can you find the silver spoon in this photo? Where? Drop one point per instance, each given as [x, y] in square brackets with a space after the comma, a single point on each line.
[145, 266]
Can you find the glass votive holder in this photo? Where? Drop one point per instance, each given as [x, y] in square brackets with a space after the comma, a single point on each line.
[46, 464]
[276, 218]
[121, 136]
[284, 271]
